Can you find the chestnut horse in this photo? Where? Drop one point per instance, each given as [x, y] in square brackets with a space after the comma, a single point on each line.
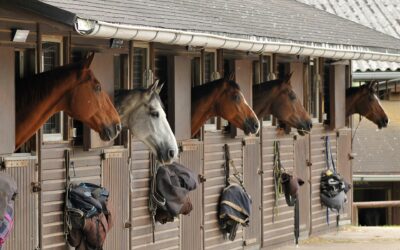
[142, 112]
[71, 88]
[222, 98]
[363, 100]
[277, 98]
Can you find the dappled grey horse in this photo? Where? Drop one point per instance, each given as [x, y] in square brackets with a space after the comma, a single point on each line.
[142, 112]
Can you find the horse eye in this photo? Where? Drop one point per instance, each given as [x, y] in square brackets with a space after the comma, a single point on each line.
[154, 114]
[236, 98]
[292, 96]
[97, 88]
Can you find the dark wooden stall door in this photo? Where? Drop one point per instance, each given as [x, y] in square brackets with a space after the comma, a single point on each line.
[102, 67]
[7, 97]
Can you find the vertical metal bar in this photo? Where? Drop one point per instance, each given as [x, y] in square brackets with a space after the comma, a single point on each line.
[38, 138]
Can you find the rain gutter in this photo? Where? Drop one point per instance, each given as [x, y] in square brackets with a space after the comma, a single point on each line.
[102, 29]
[383, 177]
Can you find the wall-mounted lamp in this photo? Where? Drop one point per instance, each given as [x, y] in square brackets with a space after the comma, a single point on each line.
[116, 43]
[20, 35]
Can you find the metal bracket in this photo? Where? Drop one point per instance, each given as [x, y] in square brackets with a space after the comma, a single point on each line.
[36, 187]
[202, 179]
[260, 171]
[128, 224]
[309, 163]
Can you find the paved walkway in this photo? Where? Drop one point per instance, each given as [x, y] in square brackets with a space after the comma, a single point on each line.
[353, 238]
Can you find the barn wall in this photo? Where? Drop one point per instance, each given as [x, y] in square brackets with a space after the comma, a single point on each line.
[22, 169]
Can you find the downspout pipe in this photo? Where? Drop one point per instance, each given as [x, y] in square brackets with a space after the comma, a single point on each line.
[252, 44]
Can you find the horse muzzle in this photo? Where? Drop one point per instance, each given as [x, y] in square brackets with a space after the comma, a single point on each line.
[167, 155]
[251, 125]
[111, 132]
[383, 123]
[304, 127]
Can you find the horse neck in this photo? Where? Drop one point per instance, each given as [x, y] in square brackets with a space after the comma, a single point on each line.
[203, 107]
[351, 101]
[35, 112]
[262, 100]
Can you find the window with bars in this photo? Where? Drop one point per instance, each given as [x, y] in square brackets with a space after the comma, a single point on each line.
[52, 129]
[140, 66]
[313, 89]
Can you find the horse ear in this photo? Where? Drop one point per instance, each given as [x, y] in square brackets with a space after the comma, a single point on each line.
[372, 86]
[153, 87]
[88, 60]
[159, 88]
[287, 77]
[230, 77]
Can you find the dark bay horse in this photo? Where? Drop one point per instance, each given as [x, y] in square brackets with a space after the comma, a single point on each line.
[363, 100]
[222, 98]
[141, 111]
[71, 88]
[277, 98]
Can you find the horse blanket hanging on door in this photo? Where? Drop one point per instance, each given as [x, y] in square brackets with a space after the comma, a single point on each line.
[8, 192]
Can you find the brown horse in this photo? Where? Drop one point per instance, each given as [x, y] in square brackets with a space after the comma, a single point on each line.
[71, 88]
[277, 98]
[222, 98]
[363, 100]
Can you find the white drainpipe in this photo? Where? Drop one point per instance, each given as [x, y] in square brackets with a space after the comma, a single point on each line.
[186, 38]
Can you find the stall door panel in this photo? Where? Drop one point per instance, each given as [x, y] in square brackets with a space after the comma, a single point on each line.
[25, 232]
[103, 69]
[192, 224]
[7, 96]
[344, 166]
[318, 160]
[167, 236]
[302, 151]
[278, 226]
[252, 182]
[214, 160]
[116, 180]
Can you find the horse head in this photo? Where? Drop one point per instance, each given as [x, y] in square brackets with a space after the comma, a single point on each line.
[363, 100]
[232, 106]
[287, 108]
[142, 112]
[88, 103]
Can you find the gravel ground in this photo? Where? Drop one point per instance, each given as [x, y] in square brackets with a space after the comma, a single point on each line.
[353, 238]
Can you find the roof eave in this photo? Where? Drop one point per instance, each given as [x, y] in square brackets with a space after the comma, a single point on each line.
[206, 40]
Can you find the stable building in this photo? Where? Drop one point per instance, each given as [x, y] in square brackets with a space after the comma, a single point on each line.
[183, 44]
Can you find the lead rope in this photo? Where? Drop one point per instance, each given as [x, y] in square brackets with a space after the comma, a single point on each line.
[155, 200]
[277, 173]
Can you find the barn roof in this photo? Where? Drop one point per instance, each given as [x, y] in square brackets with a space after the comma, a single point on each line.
[277, 22]
[382, 15]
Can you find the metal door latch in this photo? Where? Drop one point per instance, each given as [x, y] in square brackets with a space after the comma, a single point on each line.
[202, 179]
[36, 187]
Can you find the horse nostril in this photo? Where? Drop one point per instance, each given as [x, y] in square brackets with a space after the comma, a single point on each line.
[118, 127]
[386, 120]
[256, 126]
[310, 125]
[171, 153]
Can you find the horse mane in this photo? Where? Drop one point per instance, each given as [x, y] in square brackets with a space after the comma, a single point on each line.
[33, 89]
[352, 90]
[267, 85]
[207, 88]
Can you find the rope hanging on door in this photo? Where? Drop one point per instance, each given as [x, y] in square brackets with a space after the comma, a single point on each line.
[277, 174]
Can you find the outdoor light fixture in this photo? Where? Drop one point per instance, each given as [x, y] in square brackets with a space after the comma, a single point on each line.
[116, 43]
[20, 35]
